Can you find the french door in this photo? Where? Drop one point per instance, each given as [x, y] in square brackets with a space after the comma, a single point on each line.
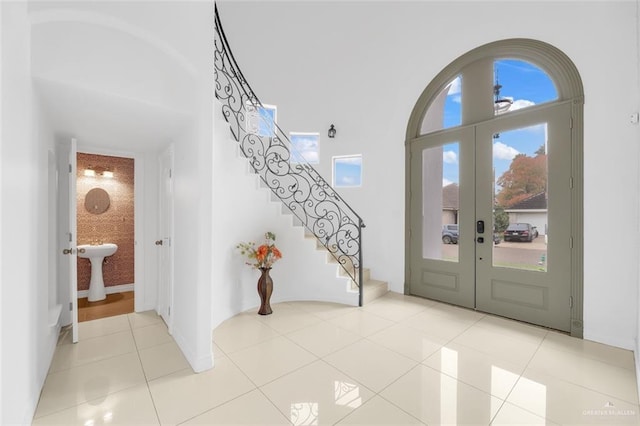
[466, 176]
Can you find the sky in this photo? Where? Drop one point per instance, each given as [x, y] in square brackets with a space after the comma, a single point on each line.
[523, 83]
[347, 171]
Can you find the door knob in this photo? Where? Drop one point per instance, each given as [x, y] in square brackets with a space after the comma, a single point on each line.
[159, 242]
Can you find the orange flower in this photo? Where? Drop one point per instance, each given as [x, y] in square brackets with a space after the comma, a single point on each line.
[276, 252]
[262, 252]
[265, 255]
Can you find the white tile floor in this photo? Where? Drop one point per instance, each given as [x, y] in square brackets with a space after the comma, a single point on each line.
[397, 361]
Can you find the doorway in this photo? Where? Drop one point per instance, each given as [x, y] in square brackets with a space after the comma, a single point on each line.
[502, 239]
[105, 198]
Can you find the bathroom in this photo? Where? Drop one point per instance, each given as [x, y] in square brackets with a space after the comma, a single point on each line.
[105, 214]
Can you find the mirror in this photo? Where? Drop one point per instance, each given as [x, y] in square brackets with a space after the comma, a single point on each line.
[97, 201]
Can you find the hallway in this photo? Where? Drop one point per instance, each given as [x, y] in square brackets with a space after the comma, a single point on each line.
[398, 360]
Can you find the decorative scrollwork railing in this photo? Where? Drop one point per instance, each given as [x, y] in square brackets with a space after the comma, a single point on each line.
[296, 183]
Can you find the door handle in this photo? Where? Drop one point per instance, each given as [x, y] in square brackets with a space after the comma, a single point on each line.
[480, 227]
[159, 242]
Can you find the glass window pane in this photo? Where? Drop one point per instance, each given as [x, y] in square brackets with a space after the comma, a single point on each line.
[520, 84]
[520, 201]
[347, 171]
[440, 202]
[446, 109]
[261, 120]
[304, 148]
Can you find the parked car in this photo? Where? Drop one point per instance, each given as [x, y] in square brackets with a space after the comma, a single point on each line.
[520, 232]
[450, 234]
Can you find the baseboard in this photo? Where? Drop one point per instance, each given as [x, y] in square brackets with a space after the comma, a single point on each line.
[109, 290]
[197, 364]
[611, 341]
[636, 357]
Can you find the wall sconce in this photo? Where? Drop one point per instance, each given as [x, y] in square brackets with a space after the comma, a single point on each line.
[332, 131]
[98, 171]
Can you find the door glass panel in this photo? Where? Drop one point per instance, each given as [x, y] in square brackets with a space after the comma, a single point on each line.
[446, 109]
[520, 199]
[440, 202]
[519, 84]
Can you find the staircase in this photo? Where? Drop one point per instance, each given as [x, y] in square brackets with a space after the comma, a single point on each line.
[315, 205]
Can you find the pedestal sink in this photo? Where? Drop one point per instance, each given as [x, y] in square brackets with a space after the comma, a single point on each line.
[96, 254]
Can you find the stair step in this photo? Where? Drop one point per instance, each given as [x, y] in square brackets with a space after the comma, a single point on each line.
[366, 273]
[374, 289]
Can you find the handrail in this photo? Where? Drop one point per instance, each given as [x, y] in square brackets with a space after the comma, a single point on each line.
[297, 184]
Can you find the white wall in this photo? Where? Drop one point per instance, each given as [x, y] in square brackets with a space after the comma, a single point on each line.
[26, 359]
[243, 212]
[326, 64]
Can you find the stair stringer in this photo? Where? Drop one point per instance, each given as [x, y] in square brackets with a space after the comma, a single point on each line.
[243, 211]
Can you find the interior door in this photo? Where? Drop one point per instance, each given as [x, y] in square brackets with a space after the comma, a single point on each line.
[164, 243]
[528, 280]
[67, 235]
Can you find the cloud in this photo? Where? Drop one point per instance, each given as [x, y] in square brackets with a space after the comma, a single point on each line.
[455, 86]
[504, 152]
[521, 103]
[305, 146]
[446, 182]
[311, 157]
[450, 157]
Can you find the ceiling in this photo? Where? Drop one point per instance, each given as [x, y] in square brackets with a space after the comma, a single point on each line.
[109, 82]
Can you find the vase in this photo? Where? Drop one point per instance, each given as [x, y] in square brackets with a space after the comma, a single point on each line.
[265, 288]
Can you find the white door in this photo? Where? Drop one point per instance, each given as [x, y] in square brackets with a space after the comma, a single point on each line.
[164, 243]
[68, 272]
[525, 278]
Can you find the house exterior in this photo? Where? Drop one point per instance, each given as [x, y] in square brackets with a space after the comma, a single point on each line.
[450, 203]
[532, 210]
[137, 76]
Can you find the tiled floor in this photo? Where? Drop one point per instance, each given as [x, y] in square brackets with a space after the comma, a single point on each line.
[398, 361]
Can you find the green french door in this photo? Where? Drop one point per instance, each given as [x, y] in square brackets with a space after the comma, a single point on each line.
[516, 169]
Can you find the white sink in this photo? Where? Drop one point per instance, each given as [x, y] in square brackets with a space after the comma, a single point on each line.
[103, 250]
[96, 255]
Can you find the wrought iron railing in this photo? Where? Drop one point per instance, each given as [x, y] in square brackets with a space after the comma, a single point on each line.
[296, 183]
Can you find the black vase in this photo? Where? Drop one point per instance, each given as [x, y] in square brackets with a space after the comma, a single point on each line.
[265, 288]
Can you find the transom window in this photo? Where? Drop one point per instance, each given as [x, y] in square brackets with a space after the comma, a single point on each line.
[513, 84]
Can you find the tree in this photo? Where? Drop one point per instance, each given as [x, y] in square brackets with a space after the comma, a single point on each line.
[500, 219]
[527, 176]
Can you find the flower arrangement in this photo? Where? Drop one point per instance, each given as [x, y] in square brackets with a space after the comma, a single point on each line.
[265, 255]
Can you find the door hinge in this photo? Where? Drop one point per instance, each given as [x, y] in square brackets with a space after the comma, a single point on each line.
[70, 237]
[571, 301]
[70, 168]
[571, 183]
[571, 123]
[169, 310]
[170, 173]
[570, 242]
[71, 306]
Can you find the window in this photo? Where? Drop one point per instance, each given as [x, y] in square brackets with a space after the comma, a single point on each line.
[347, 171]
[519, 84]
[446, 109]
[261, 120]
[304, 147]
